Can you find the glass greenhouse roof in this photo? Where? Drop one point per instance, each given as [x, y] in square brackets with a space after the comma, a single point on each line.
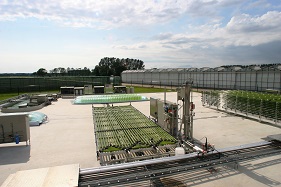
[114, 98]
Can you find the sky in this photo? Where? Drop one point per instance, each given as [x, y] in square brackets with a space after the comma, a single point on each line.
[163, 33]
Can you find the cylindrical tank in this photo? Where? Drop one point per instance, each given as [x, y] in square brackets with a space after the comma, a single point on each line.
[127, 90]
[179, 151]
[132, 90]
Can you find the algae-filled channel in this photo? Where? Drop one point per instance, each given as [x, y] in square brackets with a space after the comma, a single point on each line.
[113, 98]
[124, 127]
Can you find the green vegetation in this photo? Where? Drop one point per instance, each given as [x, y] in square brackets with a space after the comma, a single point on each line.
[166, 142]
[114, 66]
[111, 98]
[111, 149]
[262, 104]
[7, 96]
[149, 90]
[258, 104]
[107, 66]
[124, 127]
[211, 98]
[10, 95]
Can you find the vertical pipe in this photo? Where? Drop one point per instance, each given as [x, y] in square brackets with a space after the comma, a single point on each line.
[218, 80]
[178, 78]
[236, 103]
[250, 86]
[203, 79]
[240, 85]
[280, 82]
[267, 78]
[262, 80]
[274, 79]
[276, 110]
[235, 81]
[159, 80]
[247, 106]
[256, 80]
[165, 95]
[10, 91]
[260, 110]
[186, 110]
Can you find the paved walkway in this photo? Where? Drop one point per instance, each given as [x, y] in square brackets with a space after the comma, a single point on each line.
[68, 138]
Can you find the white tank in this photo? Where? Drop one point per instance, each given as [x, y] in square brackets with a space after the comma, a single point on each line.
[179, 151]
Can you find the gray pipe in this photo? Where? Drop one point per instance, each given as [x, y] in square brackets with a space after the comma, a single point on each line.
[88, 171]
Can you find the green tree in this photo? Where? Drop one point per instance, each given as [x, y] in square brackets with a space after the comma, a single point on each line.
[42, 72]
[62, 71]
[96, 71]
[115, 66]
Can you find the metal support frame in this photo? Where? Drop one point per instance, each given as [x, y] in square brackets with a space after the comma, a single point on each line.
[153, 170]
[187, 117]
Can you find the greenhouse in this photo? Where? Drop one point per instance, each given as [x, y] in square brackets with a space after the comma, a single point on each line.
[253, 77]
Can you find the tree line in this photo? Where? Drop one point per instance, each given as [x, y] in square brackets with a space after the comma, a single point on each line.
[107, 66]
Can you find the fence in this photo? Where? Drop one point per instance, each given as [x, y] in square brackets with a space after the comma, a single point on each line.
[261, 106]
[38, 84]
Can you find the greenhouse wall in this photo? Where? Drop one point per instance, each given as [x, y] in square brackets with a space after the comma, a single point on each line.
[242, 79]
[38, 84]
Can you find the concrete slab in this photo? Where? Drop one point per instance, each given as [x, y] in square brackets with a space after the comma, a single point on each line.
[58, 176]
[68, 138]
[8, 180]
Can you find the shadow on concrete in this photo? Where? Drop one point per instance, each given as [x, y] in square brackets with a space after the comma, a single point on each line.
[11, 154]
[258, 177]
[262, 120]
[169, 181]
[198, 177]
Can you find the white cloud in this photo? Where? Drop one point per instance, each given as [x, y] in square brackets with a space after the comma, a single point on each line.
[244, 39]
[241, 30]
[246, 23]
[254, 30]
[191, 32]
[107, 14]
[259, 4]
[131, 47]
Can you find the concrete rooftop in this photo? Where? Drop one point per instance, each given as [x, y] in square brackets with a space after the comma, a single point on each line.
[68, 138]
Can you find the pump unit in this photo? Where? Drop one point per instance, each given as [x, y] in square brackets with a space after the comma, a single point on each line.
[165, 114]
